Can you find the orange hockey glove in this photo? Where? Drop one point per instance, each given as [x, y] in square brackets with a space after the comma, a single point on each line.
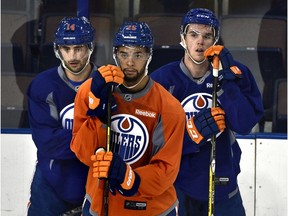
[227, 69]
[111, 73]
[102, 80]
[119, 174]
[205, 124]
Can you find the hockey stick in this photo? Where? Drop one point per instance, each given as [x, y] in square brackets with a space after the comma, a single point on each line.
[213, 141]
[108, 145]
[109, 108]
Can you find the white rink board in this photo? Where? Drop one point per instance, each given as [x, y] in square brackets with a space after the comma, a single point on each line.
[18, 157]
[268, 170]
[246, 178]
[271, 179]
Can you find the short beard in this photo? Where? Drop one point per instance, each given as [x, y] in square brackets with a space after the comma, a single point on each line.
[135, 79]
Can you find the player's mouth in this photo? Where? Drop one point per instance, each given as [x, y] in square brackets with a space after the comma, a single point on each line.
[130, 72]
[199, 50]
[73, 64]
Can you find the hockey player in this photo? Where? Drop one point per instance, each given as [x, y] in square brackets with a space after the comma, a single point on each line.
[147, 132]
[190, 80]
[59, 180]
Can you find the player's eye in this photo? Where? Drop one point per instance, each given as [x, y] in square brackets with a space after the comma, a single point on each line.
[208, 36]
[66, 49]
[193, 35]
[138, 56]
[79, 48]
[123, 55]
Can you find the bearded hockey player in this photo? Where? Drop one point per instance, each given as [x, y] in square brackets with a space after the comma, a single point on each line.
[147, 133]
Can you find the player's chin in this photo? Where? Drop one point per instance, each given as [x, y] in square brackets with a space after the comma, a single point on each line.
[199, 55]
[130, 75]
[130, 79]
[199, 58]
[75, 70]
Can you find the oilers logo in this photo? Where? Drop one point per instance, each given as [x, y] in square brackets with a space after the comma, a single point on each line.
[67, 116]
[129, 136]
[196, 102]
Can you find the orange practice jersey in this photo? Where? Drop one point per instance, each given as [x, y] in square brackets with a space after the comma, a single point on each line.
[147, 132]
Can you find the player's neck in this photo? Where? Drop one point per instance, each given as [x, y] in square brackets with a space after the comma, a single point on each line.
[141, 85]
[81, 76]
[196, 70]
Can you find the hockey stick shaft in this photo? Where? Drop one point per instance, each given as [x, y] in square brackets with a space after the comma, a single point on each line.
[213, 141]
[108, 145]
[109, 108]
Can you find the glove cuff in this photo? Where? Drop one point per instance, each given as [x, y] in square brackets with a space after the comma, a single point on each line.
[134, 188]
[193, 132]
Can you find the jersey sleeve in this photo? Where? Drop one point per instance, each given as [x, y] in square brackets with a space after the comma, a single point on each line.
[88, 132]
[50, 138]
[242, 102]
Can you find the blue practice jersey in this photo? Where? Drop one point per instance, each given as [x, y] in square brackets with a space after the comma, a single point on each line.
[51, 112]
[241, 101]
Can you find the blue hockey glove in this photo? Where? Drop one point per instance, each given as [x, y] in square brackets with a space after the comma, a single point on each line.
[120, 175]
[205, 124]
[227, 68]
[102, 80]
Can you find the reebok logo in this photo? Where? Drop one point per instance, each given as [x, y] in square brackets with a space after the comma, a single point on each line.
[209, 85]
[145, 113]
